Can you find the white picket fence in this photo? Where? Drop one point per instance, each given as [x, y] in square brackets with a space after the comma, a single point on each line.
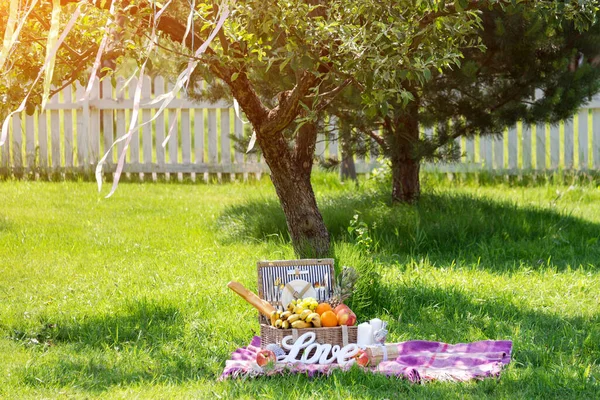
[71, 136]
[570, 146]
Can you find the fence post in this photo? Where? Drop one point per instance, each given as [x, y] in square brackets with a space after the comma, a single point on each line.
[199, 139]
[568, 143]
[485, 152]
[17, 146]
[68, 127]
[226, 143]
[173, 133]
[159, 89]
[83, 112]
[238, 130]
[147, 128]
[121, 123]
[94, 126]
[499, 152]
[582, 118]
[30, 155]
[213, 156]
[526, 146]
[108, 123]
[554, 146]
[186, 137]
[596, 137]
[540, 146]
[513, 152]
[134, 144]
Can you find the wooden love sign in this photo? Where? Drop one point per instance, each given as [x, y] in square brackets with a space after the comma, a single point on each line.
[323, 353]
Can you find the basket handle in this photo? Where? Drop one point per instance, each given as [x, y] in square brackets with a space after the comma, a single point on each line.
[262, 305]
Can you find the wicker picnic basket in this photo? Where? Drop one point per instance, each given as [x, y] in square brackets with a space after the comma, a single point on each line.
[340, 335]
[274, 275]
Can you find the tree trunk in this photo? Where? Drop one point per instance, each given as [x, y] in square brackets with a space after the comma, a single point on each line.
[290, 175]
[290, 168]
[403, 136]
[347, 167]
[406, 187]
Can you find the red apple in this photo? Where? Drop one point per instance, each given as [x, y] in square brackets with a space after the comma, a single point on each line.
[264, 357]
[346, 317]
[340, 307]
[362, 358]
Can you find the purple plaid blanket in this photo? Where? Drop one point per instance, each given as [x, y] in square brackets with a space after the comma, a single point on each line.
[417, 361]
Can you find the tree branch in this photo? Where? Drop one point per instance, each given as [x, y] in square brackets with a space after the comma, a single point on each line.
[332, 94]
[286, 110]
[47, 27]
[380, 141]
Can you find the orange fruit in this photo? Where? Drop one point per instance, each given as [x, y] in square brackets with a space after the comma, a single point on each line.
[329, 319]
[321, 308]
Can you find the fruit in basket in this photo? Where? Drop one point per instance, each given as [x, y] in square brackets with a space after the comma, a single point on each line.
[343, 287]
[312, 316]
[329, 319]
[321, 308]
[264, 357]
[274, 317]
[305, 314]
[293, 318]
[285, 315]
[340, 308]
[301, 325]
[314, 319]
[300, 310]
[346, 317]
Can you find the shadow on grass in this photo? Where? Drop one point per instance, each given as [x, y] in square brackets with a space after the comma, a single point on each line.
[555, 351]
[445, 228]
[5, 225]
[144, 323]
[146, 343]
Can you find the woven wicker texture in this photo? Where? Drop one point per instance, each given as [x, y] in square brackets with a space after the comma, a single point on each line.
[335, 335]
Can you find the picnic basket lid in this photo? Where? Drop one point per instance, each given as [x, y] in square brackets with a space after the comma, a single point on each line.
[274, 275]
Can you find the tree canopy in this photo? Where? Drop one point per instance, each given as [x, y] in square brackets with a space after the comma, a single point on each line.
[383, 49]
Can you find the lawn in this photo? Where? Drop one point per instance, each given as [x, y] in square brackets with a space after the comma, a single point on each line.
[127, 298]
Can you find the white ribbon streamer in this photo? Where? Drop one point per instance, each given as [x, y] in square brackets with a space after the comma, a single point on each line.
[168, 97]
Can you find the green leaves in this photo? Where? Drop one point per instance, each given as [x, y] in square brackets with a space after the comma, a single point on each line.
[461, 5]
[9, 40]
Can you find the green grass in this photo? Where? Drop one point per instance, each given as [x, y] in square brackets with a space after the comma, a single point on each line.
[126, 297]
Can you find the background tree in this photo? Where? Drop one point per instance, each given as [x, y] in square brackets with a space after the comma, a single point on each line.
[525, 51]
